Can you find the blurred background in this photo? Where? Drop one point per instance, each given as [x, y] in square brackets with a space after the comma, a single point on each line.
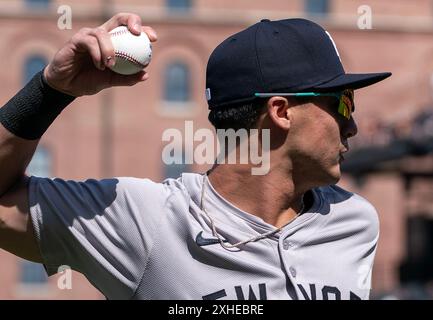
[118, 132]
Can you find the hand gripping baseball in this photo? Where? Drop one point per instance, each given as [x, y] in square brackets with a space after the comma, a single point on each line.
[81, 67]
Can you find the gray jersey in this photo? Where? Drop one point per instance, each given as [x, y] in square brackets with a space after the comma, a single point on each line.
[137, 239]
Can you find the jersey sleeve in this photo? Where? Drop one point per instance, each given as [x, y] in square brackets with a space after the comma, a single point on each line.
[103, 229]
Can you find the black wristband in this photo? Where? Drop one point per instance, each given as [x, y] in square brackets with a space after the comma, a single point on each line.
[33, 109]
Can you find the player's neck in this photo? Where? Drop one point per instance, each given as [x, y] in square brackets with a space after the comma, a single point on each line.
[272, 197]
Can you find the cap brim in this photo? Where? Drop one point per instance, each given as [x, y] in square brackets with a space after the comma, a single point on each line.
[353, 81]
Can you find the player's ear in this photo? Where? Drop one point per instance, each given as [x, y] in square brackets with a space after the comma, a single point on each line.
[280, 112]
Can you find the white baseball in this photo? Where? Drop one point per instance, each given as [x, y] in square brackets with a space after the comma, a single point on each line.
[133, 53]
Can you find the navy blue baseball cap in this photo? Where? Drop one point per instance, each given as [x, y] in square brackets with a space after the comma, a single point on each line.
[291, 55]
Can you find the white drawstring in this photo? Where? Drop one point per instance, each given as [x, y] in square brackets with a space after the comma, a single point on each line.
[236, 245]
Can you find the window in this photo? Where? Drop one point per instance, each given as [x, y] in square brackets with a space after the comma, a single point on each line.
[179, 5]
[33, 65]
[33, 273]
[316, 7]
[418, 265]
[176, 169]
[177, 83]
[38, 3]
[41, 164]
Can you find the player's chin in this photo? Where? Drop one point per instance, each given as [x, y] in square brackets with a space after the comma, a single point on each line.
[336, 174]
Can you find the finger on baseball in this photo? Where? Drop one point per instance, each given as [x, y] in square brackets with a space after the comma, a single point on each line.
[118, 80]
[131, 20]
[88, 43]
[105, 46]
[151, 33]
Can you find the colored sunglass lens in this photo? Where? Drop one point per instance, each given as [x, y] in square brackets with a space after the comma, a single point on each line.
[345, 106]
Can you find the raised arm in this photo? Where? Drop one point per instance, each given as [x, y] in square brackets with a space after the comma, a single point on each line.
[79, 68]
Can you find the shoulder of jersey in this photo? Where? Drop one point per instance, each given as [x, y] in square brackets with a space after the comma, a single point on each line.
[352, 206]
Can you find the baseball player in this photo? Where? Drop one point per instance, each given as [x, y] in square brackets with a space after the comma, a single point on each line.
[225, 234]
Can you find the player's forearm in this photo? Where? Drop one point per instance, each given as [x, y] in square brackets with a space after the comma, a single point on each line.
[23, 120]
[15, 155]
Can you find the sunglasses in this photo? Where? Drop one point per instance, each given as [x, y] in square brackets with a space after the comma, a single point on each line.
[346, 105]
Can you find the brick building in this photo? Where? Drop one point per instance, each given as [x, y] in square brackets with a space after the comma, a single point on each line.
[118, 132]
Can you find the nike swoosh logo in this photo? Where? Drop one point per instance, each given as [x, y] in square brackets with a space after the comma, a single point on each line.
[206, 241]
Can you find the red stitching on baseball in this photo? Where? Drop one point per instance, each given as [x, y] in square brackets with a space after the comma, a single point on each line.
[130, 58]
[118, 33]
